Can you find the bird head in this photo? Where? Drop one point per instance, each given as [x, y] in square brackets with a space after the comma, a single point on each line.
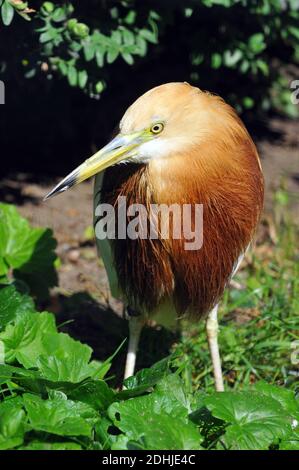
[162, 121]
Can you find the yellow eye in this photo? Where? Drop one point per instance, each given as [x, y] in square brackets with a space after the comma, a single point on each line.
[157, 128]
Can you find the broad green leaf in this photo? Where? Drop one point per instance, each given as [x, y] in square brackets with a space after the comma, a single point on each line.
[138, 419]
[7, 372]
[285, 397]
[11, 426]
[28, 251]
[95, 393]
[23, 340]
[13, 304]
[39, 445]
[102, 435]
[170, 397]
[292, 443]
[64, 359]
[255, 421]
[146, 378]
[158, 420]
[59, 416]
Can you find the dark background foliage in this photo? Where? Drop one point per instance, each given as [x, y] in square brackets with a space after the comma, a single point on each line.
[72, 70]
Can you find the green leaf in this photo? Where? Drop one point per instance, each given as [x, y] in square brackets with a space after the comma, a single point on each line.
[62, 66]
[59, 416]
[28, 251]
[150, 36]
[257, 43]
[285, 397]
[64, 359]
[95, 393]
[23, 340]
[146, 378]
[232, 58]
[82, 78]
[59, 14]
[13, 304]
[80, 30]
[216, 60]
[46, 37]
[116, 36]
[72, 75]
[294, 31]
[142, 45]
[7, 13]
[39, 445]
[7, 372]
[255, 421]
[129, 38]
[159, 420]
[144, 420]
[112, 55]
[263, 66]
[292, 443]
[47, 7]
[248, 102]
[11, 425]
[89, 50]
[99, 87]
[128, 58]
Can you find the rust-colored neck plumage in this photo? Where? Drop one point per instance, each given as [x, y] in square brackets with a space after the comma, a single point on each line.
[222, 173]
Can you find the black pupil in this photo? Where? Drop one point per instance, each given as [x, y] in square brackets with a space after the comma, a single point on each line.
[156, 128]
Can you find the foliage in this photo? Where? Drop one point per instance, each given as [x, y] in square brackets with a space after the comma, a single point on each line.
[54, 396]
[233, 47]
[27, 253]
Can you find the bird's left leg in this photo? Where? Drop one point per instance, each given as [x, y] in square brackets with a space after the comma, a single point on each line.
[135, 327]
[212, 334]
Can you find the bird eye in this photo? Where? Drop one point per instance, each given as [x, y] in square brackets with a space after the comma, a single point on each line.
[157, 128]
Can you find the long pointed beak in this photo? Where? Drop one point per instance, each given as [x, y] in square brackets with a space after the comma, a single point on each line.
[119, 149]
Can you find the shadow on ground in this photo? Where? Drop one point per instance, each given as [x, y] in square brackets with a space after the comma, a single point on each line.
[97, 325]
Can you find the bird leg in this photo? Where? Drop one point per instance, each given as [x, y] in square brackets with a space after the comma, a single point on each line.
[135, 327]
[212, 334]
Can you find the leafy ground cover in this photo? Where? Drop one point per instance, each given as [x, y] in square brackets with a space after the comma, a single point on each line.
[55, 395]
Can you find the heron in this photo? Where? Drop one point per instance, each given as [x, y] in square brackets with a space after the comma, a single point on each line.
[176, 145]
